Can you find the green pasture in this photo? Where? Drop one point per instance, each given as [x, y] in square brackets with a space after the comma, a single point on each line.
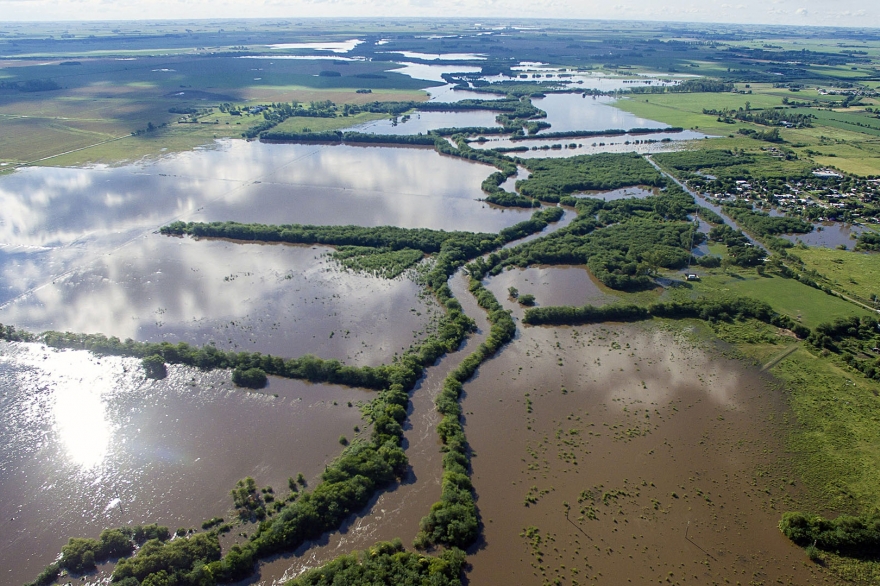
[788, 296]
[853, 273]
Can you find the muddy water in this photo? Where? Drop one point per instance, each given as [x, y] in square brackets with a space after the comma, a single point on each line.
[622, 454]
[276, 299]
[551, 286]
[828, 235]
[397, 512]
[89, 444]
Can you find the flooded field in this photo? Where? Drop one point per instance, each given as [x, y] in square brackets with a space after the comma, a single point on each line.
[276, 299]
[621, 454]
[658, 142]
[551, 286]
[828, 235]
[423, 122]
[61, 220]
[396, 512]
[626, 453]
[90, 444]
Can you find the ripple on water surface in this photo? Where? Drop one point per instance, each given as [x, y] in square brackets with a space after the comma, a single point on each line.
[89, 444]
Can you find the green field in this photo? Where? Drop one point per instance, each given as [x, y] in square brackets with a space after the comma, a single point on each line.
[853, 273]
[836, 139]
[788, 296]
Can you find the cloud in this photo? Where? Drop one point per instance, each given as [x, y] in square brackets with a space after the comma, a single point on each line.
[802, 12]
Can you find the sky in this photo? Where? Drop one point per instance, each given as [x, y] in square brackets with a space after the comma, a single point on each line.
[853, 13]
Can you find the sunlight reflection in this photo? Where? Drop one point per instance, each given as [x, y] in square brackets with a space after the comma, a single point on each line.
[78, 383]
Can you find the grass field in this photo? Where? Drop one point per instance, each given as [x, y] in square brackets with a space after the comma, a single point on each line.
[853, 273]
[837, 436]
[104, 99]
[788, 296]
[836, 139]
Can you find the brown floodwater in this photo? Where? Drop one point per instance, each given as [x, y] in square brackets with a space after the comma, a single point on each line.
[395, 512]
[624, 454]
[551, 286]
[89, 443]
[271, 298]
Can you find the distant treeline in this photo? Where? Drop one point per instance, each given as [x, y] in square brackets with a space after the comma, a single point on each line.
[703, 308]
[769, 117]
[688, 86]
[423, 239]
[30, 85]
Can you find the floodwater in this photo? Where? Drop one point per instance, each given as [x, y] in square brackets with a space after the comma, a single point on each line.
[59, 220]
[333, 47]
[828, 235]
[89, 443]
[422, 122]
[567, 112]
[395, 512]
[275, 299]
[622, 454]
[657, 142]
[442, 56]
[551, 286]
[616, 194]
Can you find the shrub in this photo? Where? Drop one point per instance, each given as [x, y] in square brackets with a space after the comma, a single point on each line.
[251, 378]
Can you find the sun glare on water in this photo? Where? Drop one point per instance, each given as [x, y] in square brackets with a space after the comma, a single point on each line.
[79, 384]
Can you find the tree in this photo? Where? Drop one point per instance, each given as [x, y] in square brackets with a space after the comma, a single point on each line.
[252, 378]
[154, 367]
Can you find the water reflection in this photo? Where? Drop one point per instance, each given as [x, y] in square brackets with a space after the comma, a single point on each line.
[334, 47]
[56, 220]
[658, 142]
[163, 451]
[567, 112]
[422, 122]
[284, 300]
[828, 235]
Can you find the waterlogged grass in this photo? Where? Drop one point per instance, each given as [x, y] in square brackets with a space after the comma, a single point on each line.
[836, 439]
[787, 296]
[853, 273]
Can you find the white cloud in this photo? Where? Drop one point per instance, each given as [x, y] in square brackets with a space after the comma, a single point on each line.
[811, 12]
